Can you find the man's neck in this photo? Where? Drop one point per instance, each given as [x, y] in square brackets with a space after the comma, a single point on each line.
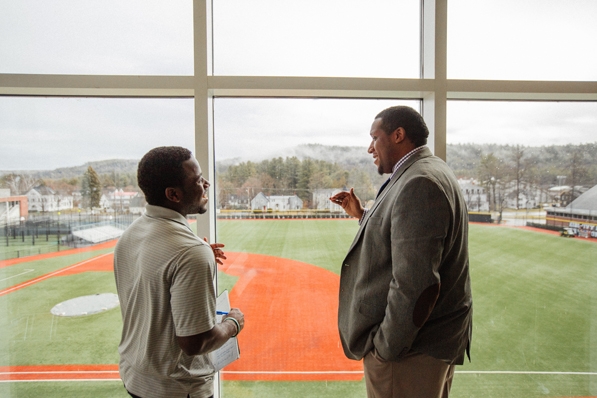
[174, 206]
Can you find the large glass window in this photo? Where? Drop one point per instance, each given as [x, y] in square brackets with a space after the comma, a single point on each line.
[96, 37]
[379, 38]
[68, 189]
[53, 133]
[527, 171]
[276, 132]
[278, 161]
[521, 40]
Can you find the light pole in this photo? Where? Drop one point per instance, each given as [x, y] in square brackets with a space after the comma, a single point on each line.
[58, 231]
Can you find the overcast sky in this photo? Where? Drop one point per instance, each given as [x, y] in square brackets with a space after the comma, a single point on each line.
[502, 39]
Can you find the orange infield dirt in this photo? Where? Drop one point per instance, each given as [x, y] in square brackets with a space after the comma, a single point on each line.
[290, 332]
[13, 261]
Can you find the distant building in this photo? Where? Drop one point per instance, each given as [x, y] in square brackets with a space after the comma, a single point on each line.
[119, 200]
[45, 199]
[580, 214]
[562, 195]
[137, 205]
[557, 195]
[321, 200]
[276, 203]
[12, 208]
[104, 203]
[475, 195]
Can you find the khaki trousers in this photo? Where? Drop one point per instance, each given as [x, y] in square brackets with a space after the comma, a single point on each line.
[415, 376]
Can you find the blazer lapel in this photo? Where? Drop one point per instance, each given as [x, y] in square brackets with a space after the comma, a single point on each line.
[417, 156]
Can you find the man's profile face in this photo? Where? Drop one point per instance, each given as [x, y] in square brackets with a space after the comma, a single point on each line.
[195, 188]
[381, 148]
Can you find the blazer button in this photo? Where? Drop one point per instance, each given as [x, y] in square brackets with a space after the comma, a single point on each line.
[346, 265]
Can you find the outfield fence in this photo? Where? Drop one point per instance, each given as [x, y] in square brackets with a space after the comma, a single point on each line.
[29, 251]
[278, 215]
[52, 233]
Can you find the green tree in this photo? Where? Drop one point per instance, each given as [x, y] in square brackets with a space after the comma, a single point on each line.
[292, 168]
[239, 174]
[91, 188]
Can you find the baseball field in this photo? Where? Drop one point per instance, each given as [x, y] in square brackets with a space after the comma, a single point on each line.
[535, 316]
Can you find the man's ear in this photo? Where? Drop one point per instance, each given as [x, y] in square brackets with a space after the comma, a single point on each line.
[173, 194]
[399, 135]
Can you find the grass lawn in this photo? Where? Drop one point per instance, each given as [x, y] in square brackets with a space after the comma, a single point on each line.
[535, 301]
[318, 242]
[535, 313]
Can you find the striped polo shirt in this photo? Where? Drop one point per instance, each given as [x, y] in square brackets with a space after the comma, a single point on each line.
[165, 281]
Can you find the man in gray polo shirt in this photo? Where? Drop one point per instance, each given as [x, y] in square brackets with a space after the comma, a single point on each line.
[165, 281]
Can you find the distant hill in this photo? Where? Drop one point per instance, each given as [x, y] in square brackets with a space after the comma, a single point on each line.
[348, 156]
[462, 158]
[101, 167]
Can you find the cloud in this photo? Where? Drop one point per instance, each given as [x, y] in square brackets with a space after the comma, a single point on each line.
[251, 128]
[46, 133]
[524, 123]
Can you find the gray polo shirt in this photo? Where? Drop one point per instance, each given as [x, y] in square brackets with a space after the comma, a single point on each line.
[165, 281]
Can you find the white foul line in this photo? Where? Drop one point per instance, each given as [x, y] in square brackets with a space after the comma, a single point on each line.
[117, 377]
[41, 278]
[14, 276]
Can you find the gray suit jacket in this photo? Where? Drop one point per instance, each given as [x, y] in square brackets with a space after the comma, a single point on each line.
[405, 282]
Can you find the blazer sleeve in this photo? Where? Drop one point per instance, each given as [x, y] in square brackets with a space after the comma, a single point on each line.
[420, 222]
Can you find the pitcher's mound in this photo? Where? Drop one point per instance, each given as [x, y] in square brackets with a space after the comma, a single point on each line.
[86, 305]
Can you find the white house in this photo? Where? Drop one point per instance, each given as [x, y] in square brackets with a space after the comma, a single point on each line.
[119, 199]
[475, 195]
[104, 203]
[45, 199]
[137, 205]
[321, 199]
[276, 203]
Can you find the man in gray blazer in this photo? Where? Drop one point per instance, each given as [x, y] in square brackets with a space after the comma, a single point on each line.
[405, 296]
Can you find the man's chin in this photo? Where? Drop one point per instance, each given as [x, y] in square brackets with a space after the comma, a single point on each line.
[198, 210]
[202, 207]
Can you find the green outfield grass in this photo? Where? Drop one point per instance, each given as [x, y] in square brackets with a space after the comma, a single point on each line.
[535, 301]
[40, 338]
[535, 314]
[318, 242]
[29, 246]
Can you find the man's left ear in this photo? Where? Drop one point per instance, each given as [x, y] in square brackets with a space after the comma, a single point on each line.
[173, 194]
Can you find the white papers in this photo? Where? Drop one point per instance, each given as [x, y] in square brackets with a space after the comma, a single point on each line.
[229, 352]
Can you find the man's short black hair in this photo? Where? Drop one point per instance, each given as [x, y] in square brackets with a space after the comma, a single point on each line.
[159, 169]
[409, 119]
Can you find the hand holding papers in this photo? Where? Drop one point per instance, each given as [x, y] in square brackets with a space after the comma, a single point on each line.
[230, 351]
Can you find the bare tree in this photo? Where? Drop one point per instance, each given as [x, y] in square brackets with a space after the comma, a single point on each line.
[578, 169]
[491, 172]
[20, 184]
[519, 168]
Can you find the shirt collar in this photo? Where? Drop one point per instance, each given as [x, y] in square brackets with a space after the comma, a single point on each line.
[405, 158]
[168, 214]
